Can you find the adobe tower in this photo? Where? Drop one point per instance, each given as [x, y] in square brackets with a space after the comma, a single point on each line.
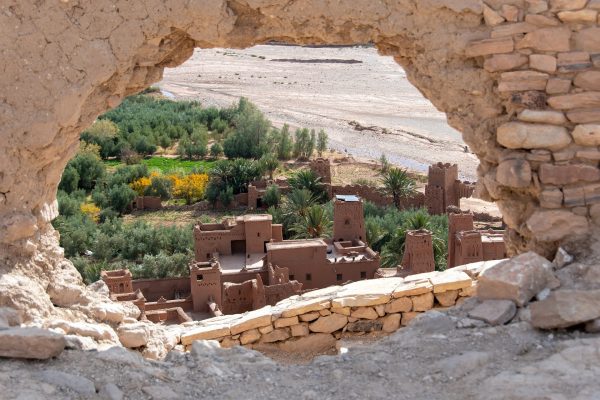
[348, 219]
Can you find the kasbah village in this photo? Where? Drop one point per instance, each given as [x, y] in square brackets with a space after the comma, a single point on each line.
[300, 199]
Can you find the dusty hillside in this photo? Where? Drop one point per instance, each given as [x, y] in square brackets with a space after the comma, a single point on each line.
[329, 88]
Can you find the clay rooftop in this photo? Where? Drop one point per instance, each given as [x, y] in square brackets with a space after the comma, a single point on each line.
[347, 197]
[295, 244]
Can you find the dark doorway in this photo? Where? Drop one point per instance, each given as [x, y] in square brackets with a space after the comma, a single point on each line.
[238, 247]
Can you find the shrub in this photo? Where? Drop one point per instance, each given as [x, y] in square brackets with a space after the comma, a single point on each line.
[216, 150]
[160, 186]
[285, 144]
[190, 187]
[129, 156]
[90, 169]
[120, 197]
[91, 211]
[69, 180]
[140, 185]
[269, 163]
[322, 140]
[226, 196]
[249, 140]
[272, 197]
[194, 145]
[69, 205]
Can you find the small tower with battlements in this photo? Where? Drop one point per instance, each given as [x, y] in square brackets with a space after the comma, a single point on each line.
[348, 219]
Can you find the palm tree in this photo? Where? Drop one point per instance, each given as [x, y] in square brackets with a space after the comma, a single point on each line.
[398, 184]
[307, 179]
[297, 202]
[314, 224]
[269, 163]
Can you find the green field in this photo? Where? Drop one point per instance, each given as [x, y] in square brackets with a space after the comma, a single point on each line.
[168, 164]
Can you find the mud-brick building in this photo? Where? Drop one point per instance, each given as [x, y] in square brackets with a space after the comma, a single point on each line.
[444, 189]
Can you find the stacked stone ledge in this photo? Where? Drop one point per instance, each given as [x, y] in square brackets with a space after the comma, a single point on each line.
[544, 57]
[377, 305]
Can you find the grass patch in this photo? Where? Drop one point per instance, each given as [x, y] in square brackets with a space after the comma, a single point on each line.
[166, 165]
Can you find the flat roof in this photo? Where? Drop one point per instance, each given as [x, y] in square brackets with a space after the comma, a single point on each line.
[296, 244]
[347, 197]
[258, 217]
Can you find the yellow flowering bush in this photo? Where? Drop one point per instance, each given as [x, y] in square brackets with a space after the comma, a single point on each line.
[140, 185]
[189, 187]
[91, 210]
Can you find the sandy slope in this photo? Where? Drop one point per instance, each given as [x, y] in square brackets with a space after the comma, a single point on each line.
[348, 84]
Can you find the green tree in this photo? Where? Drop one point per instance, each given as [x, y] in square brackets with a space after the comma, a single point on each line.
[302, 143]
[249, 140]
[69, 181]
[160, 186]
[194, 145]
[322, 141]
[90, 169]
[226, 196]
[285, 144]
[272, 196]
[120, 196]
[216, 150]
[269, 163]
[398, 184]
[104, 133]
[307, 179]
[315, 223]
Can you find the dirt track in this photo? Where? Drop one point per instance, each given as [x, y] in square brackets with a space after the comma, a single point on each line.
[328, 88]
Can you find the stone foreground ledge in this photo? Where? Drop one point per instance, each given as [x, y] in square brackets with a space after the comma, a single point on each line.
[383, 304]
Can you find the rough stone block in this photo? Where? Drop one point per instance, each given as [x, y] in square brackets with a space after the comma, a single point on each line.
[577, 100]
[564, 308]
[311, 316]
[341, 310]
[559, 5]
[305, 306]
[522, 81]
[365, 326]
[504, 62]
[588, 40]
[422, 302]
[541, 20]
[554, 225]
[250, 336]
[579, 16]
[494, 312]
[276, 335]
[300, 330]
[517, 135]
[407, 317]
[589, 80]
[413, 288]
[380, 310]
[574, 196]
[206, 333]
[518, 279]
[584, 116]
[558, 86]
[447, 298]
[229, 342]
[543, 117]
[391, 323]
[566, 174]
[266, 329]
[34, 343]
[367, 293]
[547, 39]
[542, 62]
[402, 304]
[514, 173]
[283, 322]
[587, 134]
[536, 6]
[253, 319]
[551, 198]
[450, 280]
[364, 313]
[329, 324]
[489, 46]
[512, 29]
[491, 17]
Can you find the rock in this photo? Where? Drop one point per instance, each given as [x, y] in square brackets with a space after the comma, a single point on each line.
[134, 335]
[489, 46]
[266, 329]
[543, 117]
[311, 316]
[276, 335]
[413, 288]
[447, 298]
[494, 312]
[518, 279]
[365, 326]
[206, 333]
[504, 62]
[580, 16]
[542, 62]
[566, 174]
[113, 312]
[300, 330]
[342, 310]
[450, 280]
[562, 258]
[228, 342]
[76, 383]
[316, 343]
[593, 326]
[96, 331]
[25, 295]
[554, 225]
[99, 287]
[324, 312]
[547, 39]
[253, 319]
[368, 292]
[364, 313]
[517, 135]
[588, 40]
[469, 323]
[403, 304]
[577, 100]
[422, 302]
[32, 342]
[432, 322]
[587, 134]
[491, 17]
[522, 81]
[514, 173]
[328, 324]
[391, 323]
[305, 306]
[84, 343]
[283, 322]
[123, 356]
[407, 317]
[589, 80]
[558, 86]
[536, 6]
[564, 308]
[567, 4]
[204, 348]
[250, 336]
[9, 317]
[111, 391]
[584, 116]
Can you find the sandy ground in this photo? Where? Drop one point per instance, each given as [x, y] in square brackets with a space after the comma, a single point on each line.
[328, 88]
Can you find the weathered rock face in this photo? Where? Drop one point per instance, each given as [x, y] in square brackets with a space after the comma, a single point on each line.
[66, 62]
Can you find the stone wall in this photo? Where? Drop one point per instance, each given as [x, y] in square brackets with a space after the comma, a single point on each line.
[518, 79]
[325, 315]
